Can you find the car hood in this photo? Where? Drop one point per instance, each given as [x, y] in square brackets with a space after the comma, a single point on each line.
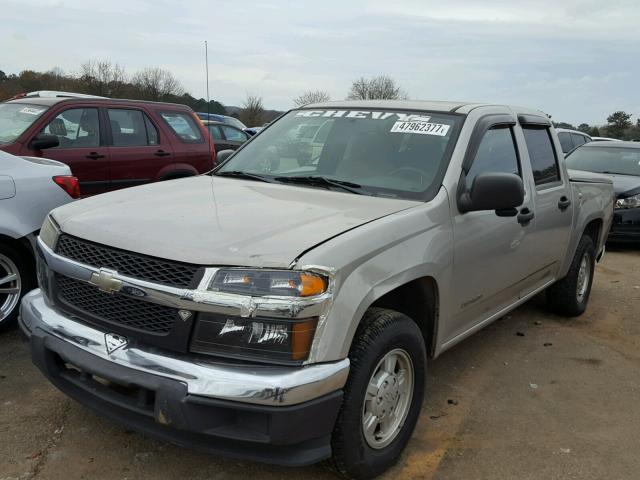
[626, 185]
[220, 221]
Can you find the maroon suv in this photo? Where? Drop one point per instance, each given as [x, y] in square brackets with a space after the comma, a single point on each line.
[108, 144]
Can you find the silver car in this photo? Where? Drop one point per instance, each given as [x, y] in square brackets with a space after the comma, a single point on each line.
[29, 188]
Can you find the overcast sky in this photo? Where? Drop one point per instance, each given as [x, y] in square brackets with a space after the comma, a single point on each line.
[575, 59]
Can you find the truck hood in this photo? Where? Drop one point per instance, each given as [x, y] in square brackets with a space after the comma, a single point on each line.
[220, 221]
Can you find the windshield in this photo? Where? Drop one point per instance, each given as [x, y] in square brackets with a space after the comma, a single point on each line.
[15, 118]
[234, 122]
[617, 160]
[383, 152]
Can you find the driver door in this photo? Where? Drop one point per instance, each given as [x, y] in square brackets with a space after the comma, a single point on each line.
[490, 251]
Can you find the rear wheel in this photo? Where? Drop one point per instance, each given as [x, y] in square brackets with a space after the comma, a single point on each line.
[16, 279]
[570, 295]
[383, 396]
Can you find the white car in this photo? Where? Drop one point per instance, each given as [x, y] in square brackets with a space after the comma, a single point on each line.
[570, 139]
[29, 188]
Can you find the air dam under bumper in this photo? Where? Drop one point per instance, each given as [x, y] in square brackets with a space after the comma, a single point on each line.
[281, 415]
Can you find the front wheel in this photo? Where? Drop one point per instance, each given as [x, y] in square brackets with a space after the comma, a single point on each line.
[570, 295]
[383, 395]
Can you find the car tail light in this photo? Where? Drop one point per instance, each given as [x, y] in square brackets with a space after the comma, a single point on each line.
[69, 184]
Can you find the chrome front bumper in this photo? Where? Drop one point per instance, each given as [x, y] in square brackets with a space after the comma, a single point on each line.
[252, 384]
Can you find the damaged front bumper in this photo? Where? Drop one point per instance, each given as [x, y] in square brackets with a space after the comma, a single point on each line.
[275, 414]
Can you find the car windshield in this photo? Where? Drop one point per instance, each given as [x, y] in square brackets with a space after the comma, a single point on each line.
[15, 118]
[616, 160]
[382, 152]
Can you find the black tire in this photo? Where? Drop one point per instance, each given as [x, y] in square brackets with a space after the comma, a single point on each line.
[562, 296]
[27, 281]
[380, 332]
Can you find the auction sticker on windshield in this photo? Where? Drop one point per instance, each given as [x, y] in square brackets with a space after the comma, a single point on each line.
[422, 128]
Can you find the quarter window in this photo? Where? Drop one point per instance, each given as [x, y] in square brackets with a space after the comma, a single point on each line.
[76, 128]
[183, 125]
[233, 134]
[215, 132]
[131, 128]
[578, 139]
[496, 154]
[565, 141]
[542, 155]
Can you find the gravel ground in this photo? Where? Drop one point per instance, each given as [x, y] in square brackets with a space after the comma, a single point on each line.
[532, 396]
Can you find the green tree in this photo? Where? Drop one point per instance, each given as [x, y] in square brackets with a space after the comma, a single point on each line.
[584, 127]
[594, 132]
[618, 122]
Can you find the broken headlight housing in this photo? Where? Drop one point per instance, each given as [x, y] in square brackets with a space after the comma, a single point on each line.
[286, 283]
[267, 339]
[629, 202]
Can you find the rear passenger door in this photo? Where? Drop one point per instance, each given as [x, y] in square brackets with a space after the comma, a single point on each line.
[139, 153]
[551, 197]
[81, 134]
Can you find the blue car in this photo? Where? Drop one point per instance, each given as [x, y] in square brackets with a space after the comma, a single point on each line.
[234, 122]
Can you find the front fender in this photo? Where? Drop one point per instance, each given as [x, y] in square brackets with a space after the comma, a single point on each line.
[374, 259]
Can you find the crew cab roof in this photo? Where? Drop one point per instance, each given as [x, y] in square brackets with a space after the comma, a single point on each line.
[427, 105]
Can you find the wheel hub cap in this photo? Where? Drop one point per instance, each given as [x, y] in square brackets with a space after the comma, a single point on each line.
[388, 399]
[583, 277]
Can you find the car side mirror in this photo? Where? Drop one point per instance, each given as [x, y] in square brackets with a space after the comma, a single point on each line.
[44, 141]
[223, 155]
[502, 192]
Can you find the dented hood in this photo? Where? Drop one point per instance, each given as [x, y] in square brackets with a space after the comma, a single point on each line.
[221, 221]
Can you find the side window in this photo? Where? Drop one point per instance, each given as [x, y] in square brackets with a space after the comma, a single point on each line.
[565, 141]
[542, 155]
[233, 134]
[127, 127]
[152, 132]
[497, 154]
[215, 132]
[578, 139]
[183, 125]
[76, 128]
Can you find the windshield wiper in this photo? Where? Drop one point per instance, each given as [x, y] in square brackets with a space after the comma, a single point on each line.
[244, 175]
[325, 181]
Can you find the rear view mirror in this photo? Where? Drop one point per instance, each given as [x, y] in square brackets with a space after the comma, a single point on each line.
[502, 192]
[44, 141]
[222, 155]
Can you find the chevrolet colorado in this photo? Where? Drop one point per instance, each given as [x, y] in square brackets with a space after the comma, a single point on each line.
[283, 308]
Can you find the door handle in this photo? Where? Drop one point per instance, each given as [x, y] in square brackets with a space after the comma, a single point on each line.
[564, 203]
[525, 216]
[95, 155]
[161, 153]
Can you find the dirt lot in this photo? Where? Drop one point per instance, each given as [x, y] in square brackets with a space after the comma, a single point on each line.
[533, 396]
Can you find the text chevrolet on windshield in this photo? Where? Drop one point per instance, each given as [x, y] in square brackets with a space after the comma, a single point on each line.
[283, 308]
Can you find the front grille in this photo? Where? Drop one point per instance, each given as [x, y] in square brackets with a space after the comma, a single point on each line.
[114, 308]
[131, 264]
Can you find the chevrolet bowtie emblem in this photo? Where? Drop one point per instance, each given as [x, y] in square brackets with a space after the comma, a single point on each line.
[105, 281]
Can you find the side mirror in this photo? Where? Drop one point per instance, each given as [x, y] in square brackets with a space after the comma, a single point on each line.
[223, 155]
[44, 141]
[502, 192]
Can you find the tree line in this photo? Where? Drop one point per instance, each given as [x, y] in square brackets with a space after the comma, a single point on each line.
[104, 78]
[107, 79]
[619, 125]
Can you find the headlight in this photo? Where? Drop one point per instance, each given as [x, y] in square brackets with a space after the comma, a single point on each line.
[254, 338]
[49, 232]
[629, 202]
[268, 282]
